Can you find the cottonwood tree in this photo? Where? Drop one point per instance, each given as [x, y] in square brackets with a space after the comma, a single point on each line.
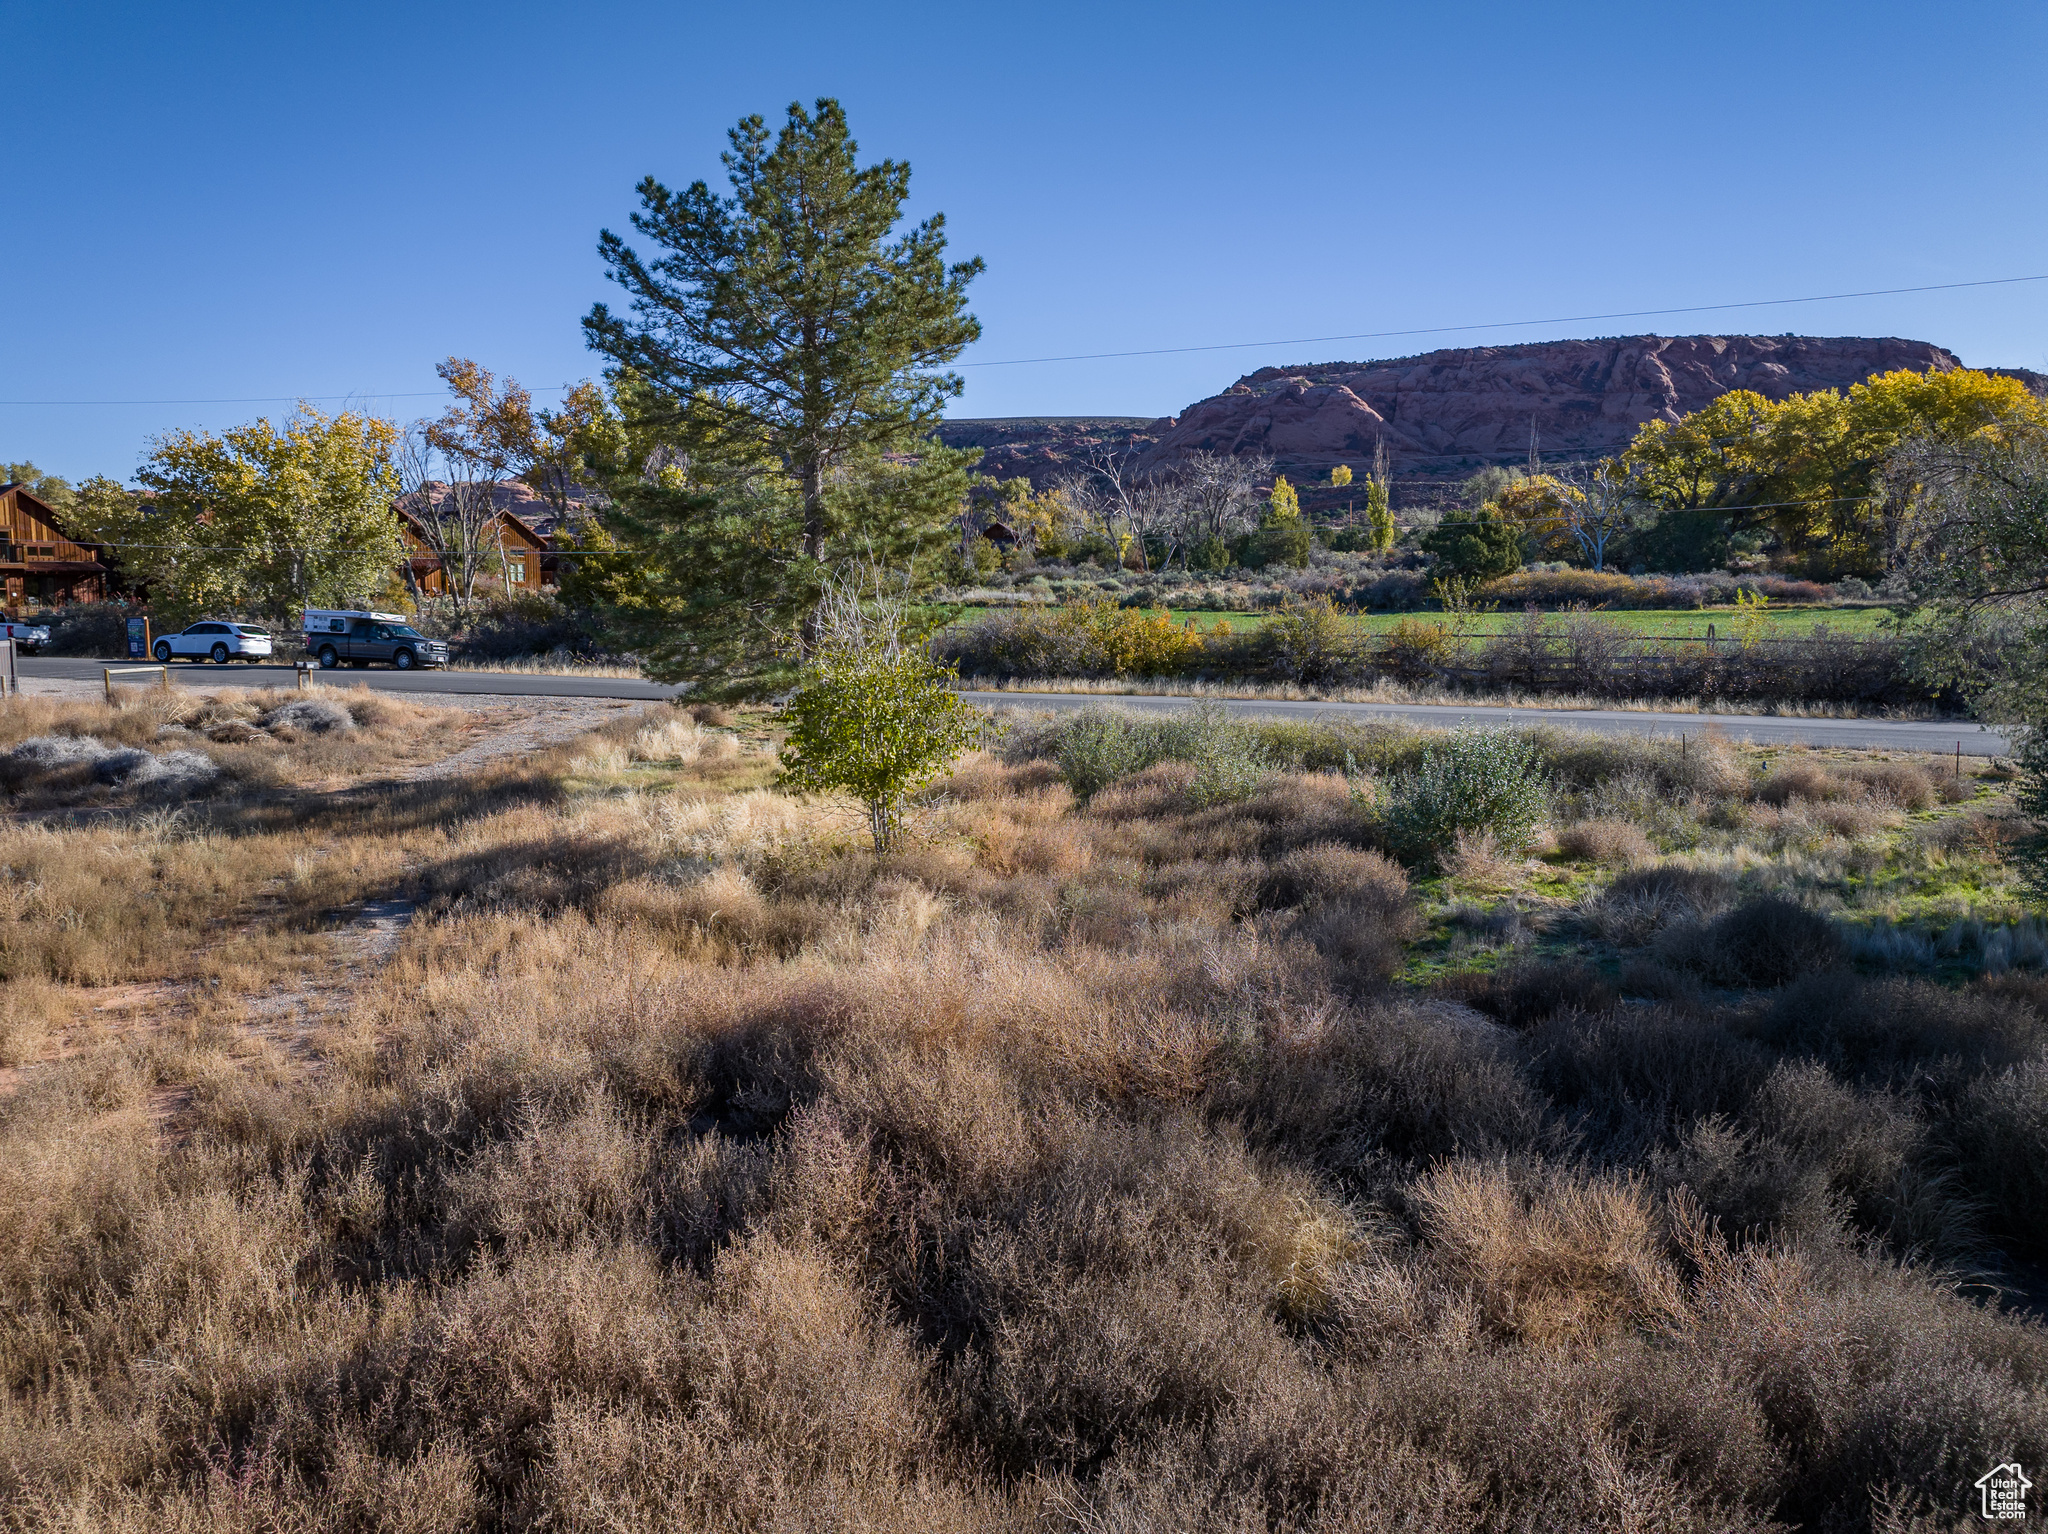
[1974, 543]
[1127, 504]
[53, 490]
[789, 339]
[1586, 507]
[488, 434]
[451, 501]
[1216, 501]
[262, 518]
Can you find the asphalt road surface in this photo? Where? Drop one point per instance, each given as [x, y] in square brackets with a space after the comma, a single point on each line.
[380, 678]
[1943, 737]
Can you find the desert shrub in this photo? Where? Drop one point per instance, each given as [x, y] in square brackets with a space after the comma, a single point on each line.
[1522, 995]
[313, 716]
[1605, 841]
[1414, 651]
[1639, 904]
[1905, 784]
[1562, 588]
[1356, 909]
[1880, 1031]
[61, 761]
[1229, 771]
[1762, 943]
[1087, 638]
[1337, 744]
[2001, 1127]
[1310, 642]
[1585, 759]
[1798, 779]
[1474, 781]
[1331, 871]
[1563, 1260]
[1097, 746]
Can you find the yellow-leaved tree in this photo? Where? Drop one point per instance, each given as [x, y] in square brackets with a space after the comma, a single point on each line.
[1808, 469]
[262, 518]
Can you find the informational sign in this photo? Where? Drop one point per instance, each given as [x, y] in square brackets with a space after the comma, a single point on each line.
[138, 638]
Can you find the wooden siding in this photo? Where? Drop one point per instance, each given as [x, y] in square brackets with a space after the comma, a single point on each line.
[526, 555]
[39, 562]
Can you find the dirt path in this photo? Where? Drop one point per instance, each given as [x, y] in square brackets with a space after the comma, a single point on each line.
[517, 727]
[292, 1015]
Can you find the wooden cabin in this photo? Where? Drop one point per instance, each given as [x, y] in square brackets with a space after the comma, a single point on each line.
[40, 566]
[527, 562]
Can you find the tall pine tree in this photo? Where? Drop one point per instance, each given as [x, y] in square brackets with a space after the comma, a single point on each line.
[784, 342]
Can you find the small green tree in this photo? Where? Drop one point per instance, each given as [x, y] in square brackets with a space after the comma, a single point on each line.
[1340, 476]
[873, 715]
[1477, 546]
[1283, 535]
[1379, 518]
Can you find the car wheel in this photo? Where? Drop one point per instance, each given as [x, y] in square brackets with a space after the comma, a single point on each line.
[402, 659]
[328, 659]
[220, 655]
[162, 651]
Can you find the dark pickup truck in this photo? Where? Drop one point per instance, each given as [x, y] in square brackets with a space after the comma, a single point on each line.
[366, 640]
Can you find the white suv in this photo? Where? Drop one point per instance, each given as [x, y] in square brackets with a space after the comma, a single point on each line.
[218, 642]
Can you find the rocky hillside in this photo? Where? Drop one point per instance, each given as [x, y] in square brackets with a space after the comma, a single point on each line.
[1043, 448]
[1446, 413]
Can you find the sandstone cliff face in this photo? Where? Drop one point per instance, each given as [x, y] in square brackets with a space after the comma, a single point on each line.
[1445, 413]
[1043, 448]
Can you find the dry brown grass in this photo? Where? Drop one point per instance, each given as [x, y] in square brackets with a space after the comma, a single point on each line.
[254, 740]
[1616, 843]
[686, 1166]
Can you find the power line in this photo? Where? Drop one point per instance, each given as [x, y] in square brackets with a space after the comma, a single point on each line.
[1565, 319]
[268, 399]
[1159, 351]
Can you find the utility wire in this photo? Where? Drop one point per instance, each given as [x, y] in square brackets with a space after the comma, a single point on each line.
[1168, 351]
[1563, 319]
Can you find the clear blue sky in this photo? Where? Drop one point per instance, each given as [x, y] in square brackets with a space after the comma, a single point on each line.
[275, 200]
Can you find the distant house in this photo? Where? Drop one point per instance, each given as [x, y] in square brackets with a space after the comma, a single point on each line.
[41, 565]
[522, 535]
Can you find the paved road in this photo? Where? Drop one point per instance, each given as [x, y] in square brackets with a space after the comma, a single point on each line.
[1862, 734]
[1868, 734]
[506, 683]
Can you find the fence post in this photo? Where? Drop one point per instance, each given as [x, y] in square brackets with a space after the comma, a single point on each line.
[10, 677]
